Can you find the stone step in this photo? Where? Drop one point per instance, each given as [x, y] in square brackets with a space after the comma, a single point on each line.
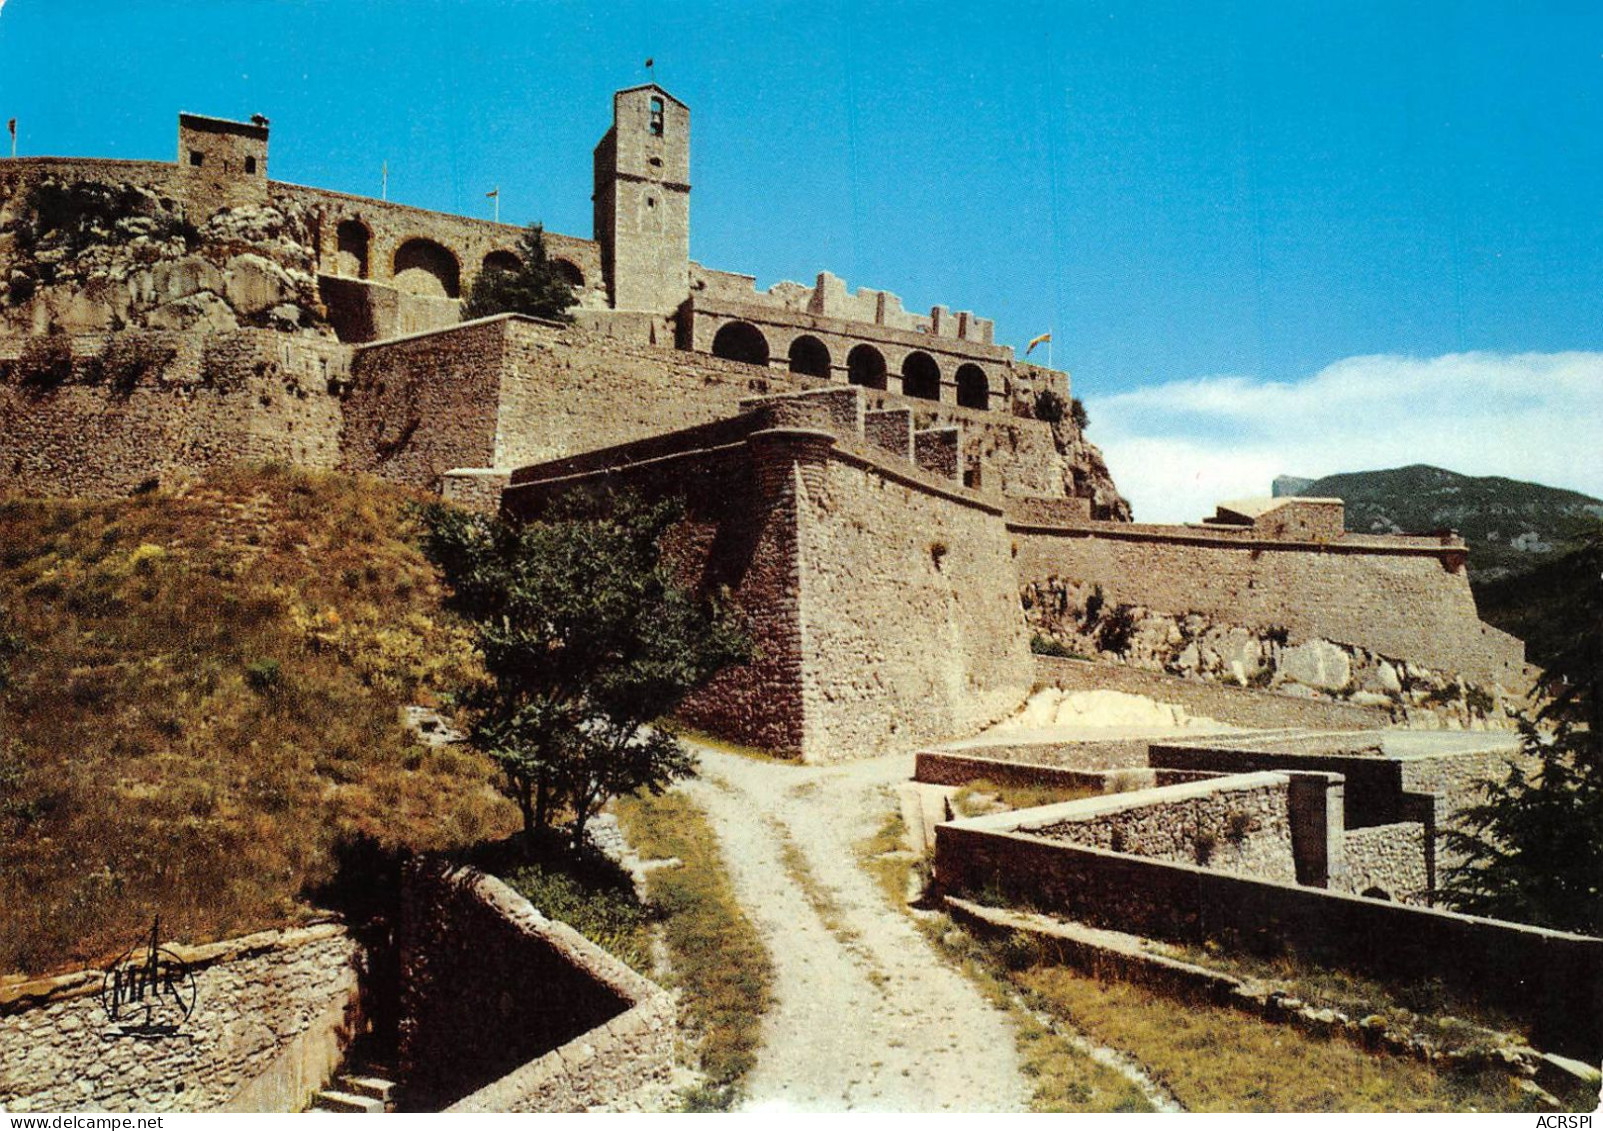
[374, 1087]
[912, 802]
[330, 1100]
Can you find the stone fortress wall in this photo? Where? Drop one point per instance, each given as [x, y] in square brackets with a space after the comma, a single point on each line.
[1013, 500]
[212, 402]
[872, 632]
[888, 559]
[1403, 597]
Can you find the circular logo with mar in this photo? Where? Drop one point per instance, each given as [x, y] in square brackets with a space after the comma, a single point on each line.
[148, 992]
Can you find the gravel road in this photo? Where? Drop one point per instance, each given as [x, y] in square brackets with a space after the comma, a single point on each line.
[867, 1016]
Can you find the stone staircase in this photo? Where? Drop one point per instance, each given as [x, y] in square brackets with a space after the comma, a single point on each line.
[352, 1093]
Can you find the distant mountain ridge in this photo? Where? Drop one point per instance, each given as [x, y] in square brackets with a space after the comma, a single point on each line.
[1510, 525]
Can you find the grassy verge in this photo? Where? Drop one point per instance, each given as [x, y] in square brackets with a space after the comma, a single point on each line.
[978, 798]
[589, 893]
[1427, 1010]
[718, 959]
[1062, 1077]
[1213, 1058]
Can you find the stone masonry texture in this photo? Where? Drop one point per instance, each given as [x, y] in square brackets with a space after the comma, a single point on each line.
[253, 997]
[1551, 980]
[1242, 829]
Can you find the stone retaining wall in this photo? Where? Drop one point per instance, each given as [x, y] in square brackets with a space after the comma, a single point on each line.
[506, 1010]
[246, 395]
[1549, 980]
[272, 1014]
[1390, 859]
[1232, 824]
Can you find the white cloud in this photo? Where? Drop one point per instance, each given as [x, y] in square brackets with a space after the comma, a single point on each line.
[1177, 449]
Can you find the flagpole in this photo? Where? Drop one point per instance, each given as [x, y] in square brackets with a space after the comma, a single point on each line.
[384, 191]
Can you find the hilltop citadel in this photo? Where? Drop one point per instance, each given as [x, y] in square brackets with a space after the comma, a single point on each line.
[884, 480]
[916, 531]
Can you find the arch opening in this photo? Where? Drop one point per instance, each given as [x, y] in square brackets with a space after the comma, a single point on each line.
[741, 341]
[809, 356]
[865, 366]
[570, 273]
[350, 258]
[973, 389]
[502, 261]
[921, 377]
[423, 267]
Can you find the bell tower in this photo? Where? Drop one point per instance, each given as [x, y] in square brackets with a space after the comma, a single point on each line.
[642, 200]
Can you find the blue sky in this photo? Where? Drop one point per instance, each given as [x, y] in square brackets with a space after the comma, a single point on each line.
[1234, 197]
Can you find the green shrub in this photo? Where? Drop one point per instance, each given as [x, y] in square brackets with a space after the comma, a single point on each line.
[1093, 607]
[1116, 630]
[1077, 413]
[593, 897]
[1046, 646]
[1049, 406]
[45, 362]
[264, 675]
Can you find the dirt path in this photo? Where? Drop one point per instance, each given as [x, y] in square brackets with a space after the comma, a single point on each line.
[867, 1017]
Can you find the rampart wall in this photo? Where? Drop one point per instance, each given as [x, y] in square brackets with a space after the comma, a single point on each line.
[839, 557]
[248, 395]
[917, 585]
[272, 1015]
[1400, 598]
[506, 1010]
[389, 226]
[419, 406]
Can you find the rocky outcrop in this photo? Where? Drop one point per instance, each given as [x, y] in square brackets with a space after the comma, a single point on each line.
[1086, 474]
[85, 256]
[1073, 619]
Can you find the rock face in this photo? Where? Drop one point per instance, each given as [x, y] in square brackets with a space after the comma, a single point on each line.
[83, 256]
[1086, 474]
[1318, 664]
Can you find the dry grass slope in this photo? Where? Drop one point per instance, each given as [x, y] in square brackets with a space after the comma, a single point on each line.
[200, 696]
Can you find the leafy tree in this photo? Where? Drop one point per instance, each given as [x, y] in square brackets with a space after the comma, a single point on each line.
[1532, 850]
[586, 639]
[536, 287]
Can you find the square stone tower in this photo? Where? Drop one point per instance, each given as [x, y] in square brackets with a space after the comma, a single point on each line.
[642, 200]
[224, 162]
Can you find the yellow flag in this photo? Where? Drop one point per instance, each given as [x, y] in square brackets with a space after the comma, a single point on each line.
[1035, 341]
